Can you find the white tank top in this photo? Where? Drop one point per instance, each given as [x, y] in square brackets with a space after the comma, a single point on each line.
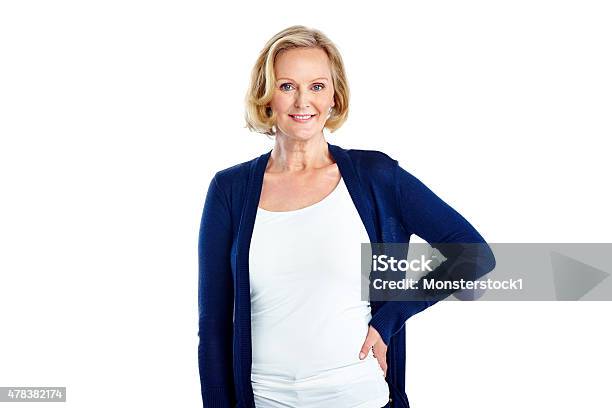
[308, 321]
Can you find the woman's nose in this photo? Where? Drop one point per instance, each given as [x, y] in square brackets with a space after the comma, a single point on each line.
[301, 99]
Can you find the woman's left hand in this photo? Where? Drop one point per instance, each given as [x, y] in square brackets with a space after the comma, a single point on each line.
[379, 348]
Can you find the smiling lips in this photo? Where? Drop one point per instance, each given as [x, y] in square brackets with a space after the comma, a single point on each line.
[302, 118]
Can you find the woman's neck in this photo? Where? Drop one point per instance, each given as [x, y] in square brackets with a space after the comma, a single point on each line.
[291, 155]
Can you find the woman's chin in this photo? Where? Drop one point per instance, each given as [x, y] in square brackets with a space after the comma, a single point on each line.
[302, 134]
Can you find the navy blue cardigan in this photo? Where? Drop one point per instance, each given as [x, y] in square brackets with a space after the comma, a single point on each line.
[393, 205]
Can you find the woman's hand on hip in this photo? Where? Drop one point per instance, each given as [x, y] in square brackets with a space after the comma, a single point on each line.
[374, 342]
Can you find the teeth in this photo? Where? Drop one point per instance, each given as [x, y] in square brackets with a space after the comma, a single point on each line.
[302, 117]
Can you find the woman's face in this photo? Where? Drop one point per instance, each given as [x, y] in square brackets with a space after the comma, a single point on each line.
[303, 87]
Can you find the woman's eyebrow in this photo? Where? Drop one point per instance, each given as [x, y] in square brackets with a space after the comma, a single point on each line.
[316, 79]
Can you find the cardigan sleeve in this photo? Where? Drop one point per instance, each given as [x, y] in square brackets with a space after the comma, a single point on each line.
[215, 301]
[423, 213]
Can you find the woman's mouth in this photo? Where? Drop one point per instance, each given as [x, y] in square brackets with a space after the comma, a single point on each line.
[302, 118]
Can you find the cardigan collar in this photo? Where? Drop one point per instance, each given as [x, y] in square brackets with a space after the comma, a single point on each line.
[347, 171]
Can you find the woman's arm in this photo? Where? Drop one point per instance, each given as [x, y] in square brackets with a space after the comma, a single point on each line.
[425, 214]
[215, 301]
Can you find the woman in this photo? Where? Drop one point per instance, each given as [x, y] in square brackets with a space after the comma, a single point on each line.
[282, 323]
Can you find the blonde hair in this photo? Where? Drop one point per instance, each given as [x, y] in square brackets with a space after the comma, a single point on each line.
[260, 118]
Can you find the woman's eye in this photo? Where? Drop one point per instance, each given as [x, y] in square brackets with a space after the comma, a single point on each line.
[283, 86]
[321, 85]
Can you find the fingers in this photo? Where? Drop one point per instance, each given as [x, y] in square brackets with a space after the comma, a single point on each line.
[379, 349]
[382, 362]
[371, 339]
[365, 349]
[380, 352]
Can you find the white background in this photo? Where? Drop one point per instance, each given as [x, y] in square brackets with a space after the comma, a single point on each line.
[114, 115]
